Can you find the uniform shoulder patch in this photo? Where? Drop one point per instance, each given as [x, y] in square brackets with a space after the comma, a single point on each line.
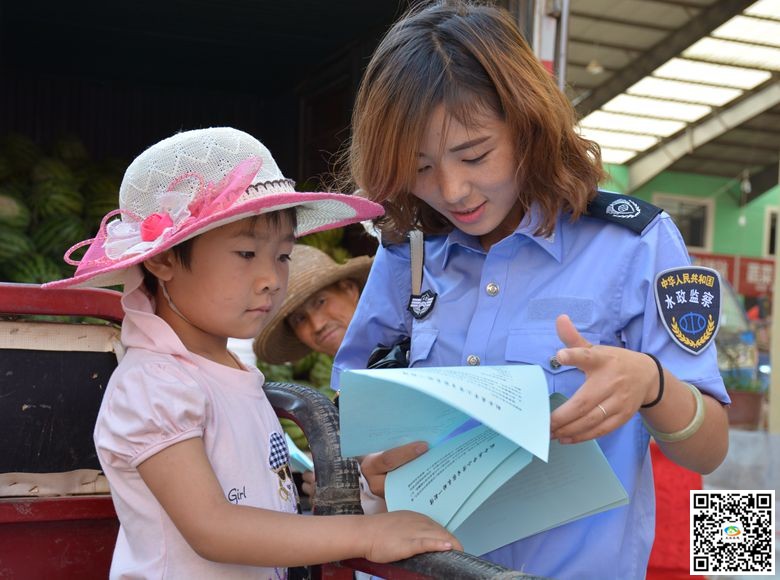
[624, 210]
[688, 301]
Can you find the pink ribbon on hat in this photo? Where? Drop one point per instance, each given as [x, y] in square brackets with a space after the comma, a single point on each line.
[212, 198]
[123, 238]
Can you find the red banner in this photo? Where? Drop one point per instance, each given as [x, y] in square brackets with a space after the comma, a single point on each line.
[748, 276]
[725, 265]
[756, 276]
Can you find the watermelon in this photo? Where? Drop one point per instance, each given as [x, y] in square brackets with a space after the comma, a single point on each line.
[71, 150]
[13, 213]
[321, 371]
[101, 186]
[340, 255]
[32, 269]
[302, 367]
[282, 373]
[56, 234]
[53, 199]
[324, 240]
[295, 433]
[21, 152]
[95, 211]
[14, 244]
[50, 169]
[16, 187]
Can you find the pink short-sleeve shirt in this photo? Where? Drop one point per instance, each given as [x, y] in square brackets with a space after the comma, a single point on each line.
[162, 394]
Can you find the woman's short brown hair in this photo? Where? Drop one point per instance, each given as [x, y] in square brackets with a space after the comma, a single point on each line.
[471, 58]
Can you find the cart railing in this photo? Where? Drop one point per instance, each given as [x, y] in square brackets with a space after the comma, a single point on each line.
[337, 492]
[34, 530]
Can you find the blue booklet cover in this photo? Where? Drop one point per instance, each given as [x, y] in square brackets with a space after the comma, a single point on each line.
[492, 475]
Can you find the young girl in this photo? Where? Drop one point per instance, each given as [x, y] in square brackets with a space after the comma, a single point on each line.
[460, 132]
[194, 454]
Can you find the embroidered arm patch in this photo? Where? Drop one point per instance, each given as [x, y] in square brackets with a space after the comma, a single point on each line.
[688, 301]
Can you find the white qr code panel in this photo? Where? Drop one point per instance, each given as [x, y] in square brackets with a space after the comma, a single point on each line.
[732, 532]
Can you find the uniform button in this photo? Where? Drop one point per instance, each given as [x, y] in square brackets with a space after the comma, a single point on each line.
[492, 289]
[473, 360]
[554, 363]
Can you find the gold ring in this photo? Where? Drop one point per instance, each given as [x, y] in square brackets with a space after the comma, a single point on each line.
[603, 410]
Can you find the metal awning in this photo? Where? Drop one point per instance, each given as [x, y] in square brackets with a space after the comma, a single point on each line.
[689, 85]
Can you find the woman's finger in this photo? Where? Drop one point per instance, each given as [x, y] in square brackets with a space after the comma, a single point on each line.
[380, 463]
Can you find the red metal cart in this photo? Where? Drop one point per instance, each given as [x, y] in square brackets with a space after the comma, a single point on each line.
[52, 376]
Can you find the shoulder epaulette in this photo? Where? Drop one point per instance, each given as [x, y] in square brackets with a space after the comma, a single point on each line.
[624, 210]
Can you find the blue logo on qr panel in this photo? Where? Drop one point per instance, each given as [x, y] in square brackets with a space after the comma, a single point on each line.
[688, 302]
[732, 531]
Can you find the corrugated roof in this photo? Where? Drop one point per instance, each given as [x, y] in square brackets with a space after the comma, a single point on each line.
[679, 85]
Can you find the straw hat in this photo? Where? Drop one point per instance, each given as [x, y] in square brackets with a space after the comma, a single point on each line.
[311, 270]
[191, 183]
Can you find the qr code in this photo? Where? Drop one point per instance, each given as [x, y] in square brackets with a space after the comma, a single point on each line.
[732, 532]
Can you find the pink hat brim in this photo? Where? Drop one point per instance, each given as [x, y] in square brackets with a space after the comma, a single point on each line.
[315, 212]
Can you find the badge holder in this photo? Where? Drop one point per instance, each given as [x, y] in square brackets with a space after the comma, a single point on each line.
[420, 305]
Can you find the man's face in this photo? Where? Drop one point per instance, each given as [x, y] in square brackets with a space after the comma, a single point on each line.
[321, 322]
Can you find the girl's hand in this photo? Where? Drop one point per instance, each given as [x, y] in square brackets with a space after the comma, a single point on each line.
[375, 466]
[182, 480]
[617, 382]
[402, 534]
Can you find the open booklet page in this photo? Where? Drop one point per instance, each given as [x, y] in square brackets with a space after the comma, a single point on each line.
[485, 487]
[385, 408]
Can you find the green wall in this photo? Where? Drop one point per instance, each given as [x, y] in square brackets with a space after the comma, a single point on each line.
[729, 236]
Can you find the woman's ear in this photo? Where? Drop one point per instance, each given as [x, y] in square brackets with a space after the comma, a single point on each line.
[162, 265]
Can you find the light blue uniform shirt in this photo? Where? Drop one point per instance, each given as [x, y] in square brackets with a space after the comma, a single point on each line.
[500, 305]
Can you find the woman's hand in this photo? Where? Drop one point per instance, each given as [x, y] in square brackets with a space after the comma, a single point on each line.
[309, 483]
[617, 382]
[402, 534]
[375, 466]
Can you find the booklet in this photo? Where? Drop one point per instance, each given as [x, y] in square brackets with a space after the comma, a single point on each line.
[491, 475]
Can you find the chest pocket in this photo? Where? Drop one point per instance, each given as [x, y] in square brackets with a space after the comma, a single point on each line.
[536, 347]
[422, 343]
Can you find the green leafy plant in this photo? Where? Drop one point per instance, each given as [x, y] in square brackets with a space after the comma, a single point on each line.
[313, 371]
[735, 382]
[737, 362]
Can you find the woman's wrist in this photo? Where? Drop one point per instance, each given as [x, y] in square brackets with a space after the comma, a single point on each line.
[690, 429]
[661, 383]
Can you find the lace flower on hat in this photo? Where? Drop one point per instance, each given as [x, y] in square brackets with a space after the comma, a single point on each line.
[131, 237]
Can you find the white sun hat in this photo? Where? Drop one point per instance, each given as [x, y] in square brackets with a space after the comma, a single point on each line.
[191, 183]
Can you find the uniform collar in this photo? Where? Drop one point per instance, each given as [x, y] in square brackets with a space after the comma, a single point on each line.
[551, 244]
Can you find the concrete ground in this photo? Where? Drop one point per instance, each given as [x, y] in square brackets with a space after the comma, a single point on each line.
[752, 463]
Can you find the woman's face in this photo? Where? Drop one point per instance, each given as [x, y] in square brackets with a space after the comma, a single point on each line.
[468, 174]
